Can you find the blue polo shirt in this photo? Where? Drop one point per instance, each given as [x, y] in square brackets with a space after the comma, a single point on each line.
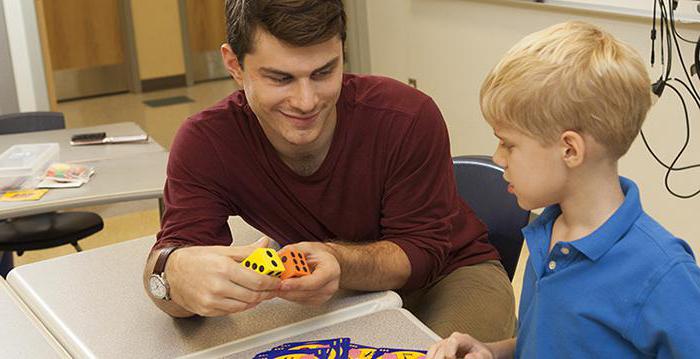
[630, 289]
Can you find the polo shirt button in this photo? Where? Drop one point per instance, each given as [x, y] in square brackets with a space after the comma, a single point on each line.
[565, 250]
[552, 265]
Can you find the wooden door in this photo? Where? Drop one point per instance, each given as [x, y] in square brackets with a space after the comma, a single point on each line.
[206, 27]
[85, 41]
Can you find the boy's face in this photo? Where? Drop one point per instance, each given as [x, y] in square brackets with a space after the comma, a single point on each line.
[292, 90]
[536, 173]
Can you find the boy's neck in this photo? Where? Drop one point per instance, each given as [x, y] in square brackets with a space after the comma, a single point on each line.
[591, 200]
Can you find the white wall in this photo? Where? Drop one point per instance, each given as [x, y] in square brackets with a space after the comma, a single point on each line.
[450, 45]
[686, 9]
[25, 51]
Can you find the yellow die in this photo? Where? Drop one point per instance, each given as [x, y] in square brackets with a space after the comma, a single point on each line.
[264, 261]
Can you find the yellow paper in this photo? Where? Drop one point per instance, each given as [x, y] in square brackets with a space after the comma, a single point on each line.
[23, 195]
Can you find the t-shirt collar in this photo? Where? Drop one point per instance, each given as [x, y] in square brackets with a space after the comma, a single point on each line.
[596, 244]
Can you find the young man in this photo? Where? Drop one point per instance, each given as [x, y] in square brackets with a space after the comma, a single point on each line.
[603, 280]
[355, 171]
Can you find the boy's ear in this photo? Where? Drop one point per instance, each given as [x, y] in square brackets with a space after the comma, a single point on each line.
[233, 66]
[573, 148]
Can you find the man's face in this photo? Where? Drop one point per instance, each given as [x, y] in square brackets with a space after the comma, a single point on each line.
[536, 174]
[292, 90]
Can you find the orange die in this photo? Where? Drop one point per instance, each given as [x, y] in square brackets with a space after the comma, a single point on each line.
[294, 263]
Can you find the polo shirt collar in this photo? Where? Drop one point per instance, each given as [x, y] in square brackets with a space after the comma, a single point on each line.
[596, 244]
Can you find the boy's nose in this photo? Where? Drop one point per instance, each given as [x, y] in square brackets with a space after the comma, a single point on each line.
[498, 157]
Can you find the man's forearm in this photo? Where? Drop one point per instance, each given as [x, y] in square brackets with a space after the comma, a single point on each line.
[505, 349]
[371, 266]
[169, 307]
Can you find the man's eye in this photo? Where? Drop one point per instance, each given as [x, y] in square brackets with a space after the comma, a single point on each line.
[322, 74]
[281, 80]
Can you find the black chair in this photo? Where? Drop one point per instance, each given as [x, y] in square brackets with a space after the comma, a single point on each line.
[480, 183]
[48, 229]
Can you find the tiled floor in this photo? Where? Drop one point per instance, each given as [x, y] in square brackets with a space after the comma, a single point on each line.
[160, 122]
[131, 220]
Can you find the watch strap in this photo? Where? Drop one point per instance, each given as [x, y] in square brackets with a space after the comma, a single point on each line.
[159, 268]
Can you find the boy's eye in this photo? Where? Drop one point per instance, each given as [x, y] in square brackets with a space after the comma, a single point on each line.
[507, 146]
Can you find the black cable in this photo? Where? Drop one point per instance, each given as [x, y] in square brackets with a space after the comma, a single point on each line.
[653, 34]
[667, 26]
[669, 45]
[680, 153]
[687, 123]
[662, 27]
[680, 56]
[673, 4]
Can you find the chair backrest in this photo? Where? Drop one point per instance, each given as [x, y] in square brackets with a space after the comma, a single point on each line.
[480, 183]
[31, 122]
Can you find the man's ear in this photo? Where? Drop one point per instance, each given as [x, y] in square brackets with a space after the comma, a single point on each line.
[573, 148]
[231, 63]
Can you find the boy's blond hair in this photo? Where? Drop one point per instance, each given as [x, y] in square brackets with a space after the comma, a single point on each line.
[570, 76]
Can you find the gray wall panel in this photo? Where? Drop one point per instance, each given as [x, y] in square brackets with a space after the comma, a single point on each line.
[8, 91]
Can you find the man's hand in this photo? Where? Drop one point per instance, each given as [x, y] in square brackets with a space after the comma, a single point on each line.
[209, 281]
[318, 287]
[459, 345]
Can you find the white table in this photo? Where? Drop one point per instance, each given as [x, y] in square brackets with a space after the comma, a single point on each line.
[23, 336]
[389, 328]
[94, 303]
[115, 180]
[70, 153]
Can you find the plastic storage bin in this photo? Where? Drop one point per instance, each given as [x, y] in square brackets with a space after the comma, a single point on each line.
[21, 166]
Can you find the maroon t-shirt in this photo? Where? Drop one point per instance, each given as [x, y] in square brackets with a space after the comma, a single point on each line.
[387, 176]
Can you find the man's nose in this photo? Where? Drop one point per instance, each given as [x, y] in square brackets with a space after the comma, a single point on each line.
[305, 97]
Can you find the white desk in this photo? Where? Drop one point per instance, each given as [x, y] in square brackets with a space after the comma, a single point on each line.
[70, 153]
[23, 336]
[94, 303]
[115, 180]
[389, 328]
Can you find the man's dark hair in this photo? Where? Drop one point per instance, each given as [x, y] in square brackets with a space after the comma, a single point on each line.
[296, 22]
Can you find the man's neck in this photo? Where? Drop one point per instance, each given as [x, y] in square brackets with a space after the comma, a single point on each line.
[590, 202]
[305, 164]
[306, 160]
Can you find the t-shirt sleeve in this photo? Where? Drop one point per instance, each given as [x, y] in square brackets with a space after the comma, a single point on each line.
[196, 208]
[418, 203]
[669, 320]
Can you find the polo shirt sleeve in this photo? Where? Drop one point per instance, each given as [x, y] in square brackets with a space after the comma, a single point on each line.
[196, 209]
[418, 203]
[669, 321]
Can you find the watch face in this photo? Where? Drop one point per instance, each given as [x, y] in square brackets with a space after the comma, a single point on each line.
[157, 287]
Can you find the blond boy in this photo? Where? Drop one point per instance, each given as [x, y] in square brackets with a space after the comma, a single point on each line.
[603, 280]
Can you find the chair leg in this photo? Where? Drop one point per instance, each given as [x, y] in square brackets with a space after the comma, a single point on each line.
[161, 208]
[77, 246]
[6, 263]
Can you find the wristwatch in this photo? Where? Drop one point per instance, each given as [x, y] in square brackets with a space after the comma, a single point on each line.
[157, 284]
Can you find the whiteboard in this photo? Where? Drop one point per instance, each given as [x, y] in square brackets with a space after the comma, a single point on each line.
[687, 10]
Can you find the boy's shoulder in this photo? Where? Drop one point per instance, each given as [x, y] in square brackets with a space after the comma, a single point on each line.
[656, 244]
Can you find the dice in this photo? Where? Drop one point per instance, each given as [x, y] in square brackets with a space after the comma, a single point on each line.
[294, 264]
[264, 261]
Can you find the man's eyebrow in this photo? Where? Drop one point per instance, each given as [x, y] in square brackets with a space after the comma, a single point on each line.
[333, 62]
[271, 71]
